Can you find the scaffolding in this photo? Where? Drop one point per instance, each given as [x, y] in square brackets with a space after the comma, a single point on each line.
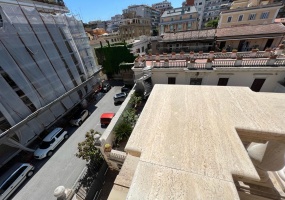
[45, 62]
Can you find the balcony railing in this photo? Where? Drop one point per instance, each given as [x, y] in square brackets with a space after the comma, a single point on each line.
[212, 60]
[205, 64]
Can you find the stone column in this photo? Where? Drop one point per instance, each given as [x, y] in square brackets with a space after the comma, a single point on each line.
[278, 51]
[234, 54]
[190, 65]
[267, 53]
[267, 157]
[209, 64]
[211, 55]
[271, 60]
[62, 193]
[253, 53]
[238, 61]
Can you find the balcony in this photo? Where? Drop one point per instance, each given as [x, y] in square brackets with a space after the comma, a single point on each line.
[213, 60]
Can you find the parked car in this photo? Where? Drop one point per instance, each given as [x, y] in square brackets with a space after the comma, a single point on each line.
[79, 118]
[106, 118]
[12, 178]
[106, 87]
[50, 142]
[125, 89]
[120, 97]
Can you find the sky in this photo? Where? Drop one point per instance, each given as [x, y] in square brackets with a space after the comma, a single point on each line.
[91, 10]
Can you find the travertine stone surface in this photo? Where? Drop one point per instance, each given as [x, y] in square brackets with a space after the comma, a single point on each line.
[124, 178]
[186, 132]
[118, 193]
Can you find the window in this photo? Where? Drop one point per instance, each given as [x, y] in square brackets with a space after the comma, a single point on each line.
[251, 16]
[171, 27]
[179, 27]
[196, 81]
[229, 19]
[13, 178]
[190, 17]
[200, 3]
[171, 80]
[180, 17]
[59, 134]
[161, 20]
[264, 15]
[1, 21]
[223, 81]
[171, 19]
[240, 18]
[257, 84]
[189, 25]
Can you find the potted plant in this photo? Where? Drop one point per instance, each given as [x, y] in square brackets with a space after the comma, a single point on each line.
[107, 148]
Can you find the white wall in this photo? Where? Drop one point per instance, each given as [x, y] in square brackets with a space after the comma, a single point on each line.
[143, 42]
[237, 77]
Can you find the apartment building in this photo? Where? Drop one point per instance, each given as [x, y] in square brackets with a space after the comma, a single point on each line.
[208, 10]
[162, 6]
[98, 24]
[131, 28]
[261, 71]
[250, 25]
[46, 68]
[113, 24]
[245, 13]
[179, 19]
[147, 12]
[198, 40]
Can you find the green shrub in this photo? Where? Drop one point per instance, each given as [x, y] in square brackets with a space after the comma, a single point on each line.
[123, 131]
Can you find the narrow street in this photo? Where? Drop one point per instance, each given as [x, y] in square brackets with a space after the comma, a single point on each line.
[64, 168]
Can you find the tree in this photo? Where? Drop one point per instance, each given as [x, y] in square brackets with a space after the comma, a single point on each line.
[87, 151]
[111, 58]
[213, 23]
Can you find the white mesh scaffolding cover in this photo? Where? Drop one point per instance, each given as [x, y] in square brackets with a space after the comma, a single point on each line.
[46, 56]
[82, 43]
[17, 44]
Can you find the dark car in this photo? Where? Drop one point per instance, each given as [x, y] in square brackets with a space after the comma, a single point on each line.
[126, 88]
[120, 97]
[106, 87]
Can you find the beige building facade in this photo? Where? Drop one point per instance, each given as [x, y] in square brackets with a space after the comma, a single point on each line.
[179, 19]
[246, 13]
[135, 27]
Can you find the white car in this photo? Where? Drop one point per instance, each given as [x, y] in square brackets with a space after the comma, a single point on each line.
[78, 118]
[50, 142]
[12, 178]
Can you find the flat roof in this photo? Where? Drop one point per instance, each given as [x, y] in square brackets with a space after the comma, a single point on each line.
[187, 140]
[275, 28]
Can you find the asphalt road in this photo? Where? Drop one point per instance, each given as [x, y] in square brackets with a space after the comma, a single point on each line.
[64, 168]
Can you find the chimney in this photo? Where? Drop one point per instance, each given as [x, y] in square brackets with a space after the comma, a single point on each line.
[189, 3]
